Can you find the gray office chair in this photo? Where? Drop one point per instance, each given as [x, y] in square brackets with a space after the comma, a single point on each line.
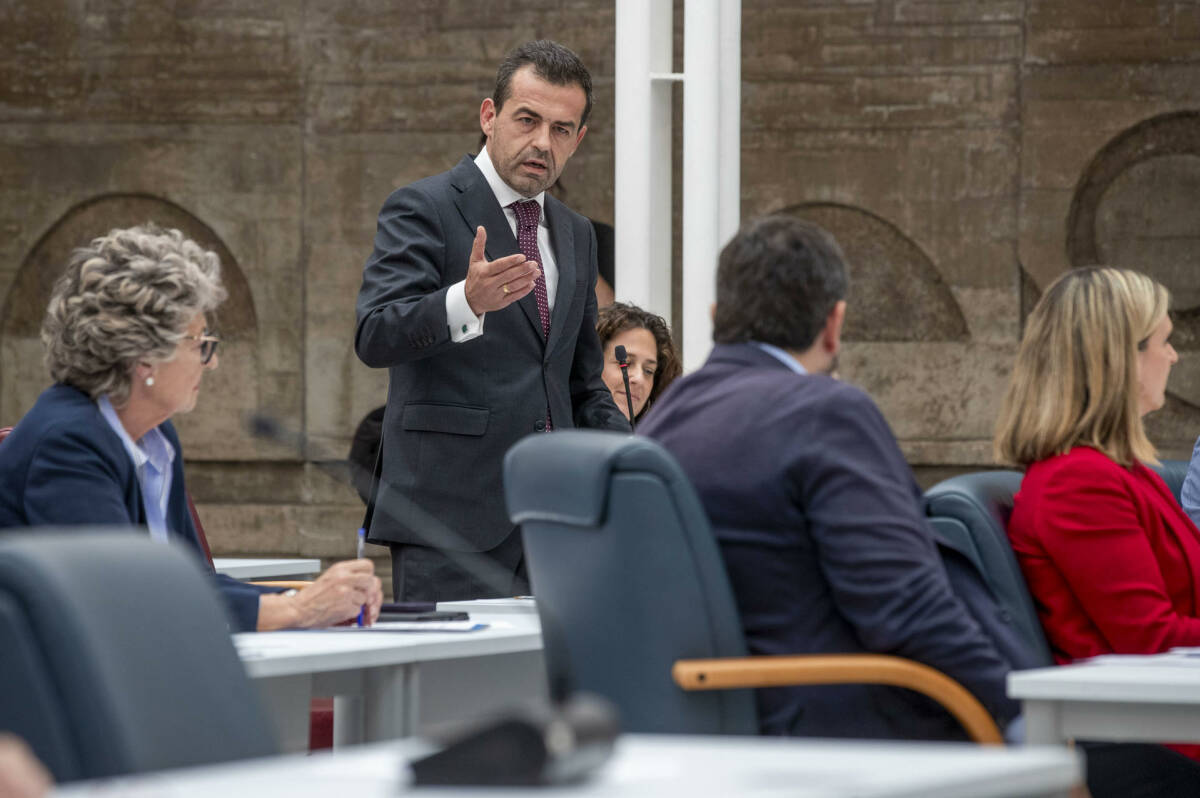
[115, 657]
[971, 511]
[1173, 472]
[635, 603]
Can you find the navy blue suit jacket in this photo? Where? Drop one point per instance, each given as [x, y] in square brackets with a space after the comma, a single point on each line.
[64, 466]
[827, 549]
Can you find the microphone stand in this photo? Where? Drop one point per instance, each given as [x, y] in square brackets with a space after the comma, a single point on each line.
[623, 362]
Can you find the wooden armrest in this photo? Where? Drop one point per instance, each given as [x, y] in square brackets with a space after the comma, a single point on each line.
[284, 583]
[786, 671]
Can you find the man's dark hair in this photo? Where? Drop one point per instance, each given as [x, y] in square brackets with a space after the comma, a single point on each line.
[552, 63]
[777, 281]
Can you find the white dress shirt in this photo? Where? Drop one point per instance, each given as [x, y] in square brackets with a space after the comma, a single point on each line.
[465, 325]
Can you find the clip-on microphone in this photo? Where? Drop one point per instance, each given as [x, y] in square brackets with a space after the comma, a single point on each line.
[623, 362]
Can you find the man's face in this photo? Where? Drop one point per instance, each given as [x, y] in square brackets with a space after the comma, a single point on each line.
[537, 130]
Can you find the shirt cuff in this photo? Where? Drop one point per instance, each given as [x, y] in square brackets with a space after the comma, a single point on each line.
[464, 325]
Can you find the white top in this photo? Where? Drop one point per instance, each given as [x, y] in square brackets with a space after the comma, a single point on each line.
[659, 766]
[1160, 679]
[458, 311]
[259, 568]
[272, 654]
[526, 605]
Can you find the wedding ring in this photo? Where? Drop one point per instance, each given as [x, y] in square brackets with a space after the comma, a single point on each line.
[504, 288]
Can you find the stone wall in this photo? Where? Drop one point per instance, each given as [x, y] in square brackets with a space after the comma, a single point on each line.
[964, 151]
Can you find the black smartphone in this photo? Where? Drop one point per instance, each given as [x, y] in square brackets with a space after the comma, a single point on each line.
[432, 615]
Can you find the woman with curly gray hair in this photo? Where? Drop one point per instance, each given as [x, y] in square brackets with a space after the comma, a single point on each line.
[127, 344]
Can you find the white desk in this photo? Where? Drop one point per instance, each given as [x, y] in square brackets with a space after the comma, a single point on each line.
[519, 604]
[261, 568]
[657, 767]
[1133, 700]
[395, 684]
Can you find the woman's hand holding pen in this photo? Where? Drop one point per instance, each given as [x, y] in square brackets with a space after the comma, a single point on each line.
[338, 595]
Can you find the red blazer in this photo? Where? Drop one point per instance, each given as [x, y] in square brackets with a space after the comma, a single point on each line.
[1111, 559]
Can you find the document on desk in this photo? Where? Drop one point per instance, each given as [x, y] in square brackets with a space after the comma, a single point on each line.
[416, 626]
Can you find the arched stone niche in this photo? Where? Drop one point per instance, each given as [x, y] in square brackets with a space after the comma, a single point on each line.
[1135, 207]
[215, 429]
[897, 292]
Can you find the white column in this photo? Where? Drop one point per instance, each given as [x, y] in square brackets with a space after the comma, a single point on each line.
[730, 180]
[642, 216]
[711, 154]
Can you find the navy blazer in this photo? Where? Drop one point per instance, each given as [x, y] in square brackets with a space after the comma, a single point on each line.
[63, 465]
[828, 551]
[454, 409]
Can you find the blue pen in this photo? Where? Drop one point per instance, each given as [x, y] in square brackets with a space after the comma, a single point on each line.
[362, 540]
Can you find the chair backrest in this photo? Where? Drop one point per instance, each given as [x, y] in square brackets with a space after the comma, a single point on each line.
[1173, 472]
[115, 657]
[628, 578]
[971, 512]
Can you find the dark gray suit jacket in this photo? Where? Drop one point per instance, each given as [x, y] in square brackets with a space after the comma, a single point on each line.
[823, 536]
[454, 409]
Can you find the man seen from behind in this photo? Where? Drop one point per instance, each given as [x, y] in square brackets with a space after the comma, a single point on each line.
[815, 509]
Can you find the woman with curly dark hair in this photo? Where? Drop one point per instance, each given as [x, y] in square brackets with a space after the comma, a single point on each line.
[650, 353]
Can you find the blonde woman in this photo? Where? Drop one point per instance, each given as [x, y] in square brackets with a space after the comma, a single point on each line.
[1112, 561]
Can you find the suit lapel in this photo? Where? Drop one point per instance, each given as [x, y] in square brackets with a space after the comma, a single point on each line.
[563, 242]
[477, 205]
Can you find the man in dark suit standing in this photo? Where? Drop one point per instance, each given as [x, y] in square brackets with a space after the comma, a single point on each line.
[481, 246]
[816, 511]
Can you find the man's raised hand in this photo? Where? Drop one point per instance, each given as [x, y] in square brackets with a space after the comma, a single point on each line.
[496, 284]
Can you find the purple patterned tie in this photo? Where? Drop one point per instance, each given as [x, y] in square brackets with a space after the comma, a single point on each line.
[529, 213]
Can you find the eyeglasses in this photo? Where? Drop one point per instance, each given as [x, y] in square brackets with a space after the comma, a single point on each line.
[208, 345]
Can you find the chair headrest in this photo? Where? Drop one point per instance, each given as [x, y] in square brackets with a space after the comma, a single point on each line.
[565, 475]
[969, 495]
[1173, 472]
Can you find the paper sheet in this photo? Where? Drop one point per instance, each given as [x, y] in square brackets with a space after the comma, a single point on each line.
[416, 626]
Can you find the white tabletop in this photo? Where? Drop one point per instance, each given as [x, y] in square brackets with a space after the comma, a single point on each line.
[662, 767]
[390, 684]
[1118, 698]
[519, 604]
[264, 568]
[267, 654]
[1149, 680]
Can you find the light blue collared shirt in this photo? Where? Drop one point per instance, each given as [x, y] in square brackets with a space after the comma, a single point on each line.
[782, 356]
[152, 457]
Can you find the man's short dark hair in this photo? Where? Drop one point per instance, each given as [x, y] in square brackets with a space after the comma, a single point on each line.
[777, 281]
[552, 63]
